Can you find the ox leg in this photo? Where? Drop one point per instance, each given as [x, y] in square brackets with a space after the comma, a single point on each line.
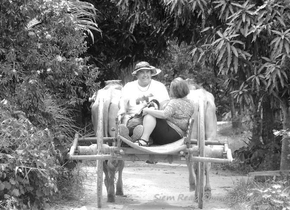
[110, 171]
[119, 190]
[207, 187]
[105, 169]
[195, 167]
[192, 177]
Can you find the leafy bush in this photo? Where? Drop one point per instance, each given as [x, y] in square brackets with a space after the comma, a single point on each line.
[260, 157]
[33, 168]
[41, 49]
[28, 171]
[43, 74]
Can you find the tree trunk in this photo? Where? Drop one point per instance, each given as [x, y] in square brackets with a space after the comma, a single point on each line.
[256, 129]
[268, 122]
[236, 119]
[272, 159]
[285, 151]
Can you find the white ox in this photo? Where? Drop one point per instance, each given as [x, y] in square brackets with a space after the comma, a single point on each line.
[112, 94]
[196, 94]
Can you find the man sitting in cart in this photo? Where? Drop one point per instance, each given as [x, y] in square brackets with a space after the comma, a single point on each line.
[137, 94]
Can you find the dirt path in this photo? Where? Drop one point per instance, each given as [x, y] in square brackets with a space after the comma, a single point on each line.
[158, 186]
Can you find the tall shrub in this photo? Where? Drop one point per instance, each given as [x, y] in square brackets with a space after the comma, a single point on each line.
[43, 74]
[41, 49]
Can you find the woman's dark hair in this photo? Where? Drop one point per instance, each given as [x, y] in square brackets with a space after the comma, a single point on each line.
[179, 88]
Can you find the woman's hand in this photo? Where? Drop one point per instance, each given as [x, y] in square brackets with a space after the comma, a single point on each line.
[154, 113]
[145, 111]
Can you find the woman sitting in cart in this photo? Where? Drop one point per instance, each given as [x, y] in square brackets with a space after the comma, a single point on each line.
[171, 123]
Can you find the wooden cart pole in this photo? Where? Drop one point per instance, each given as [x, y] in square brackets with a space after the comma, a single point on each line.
[201, 146]
[100, 136]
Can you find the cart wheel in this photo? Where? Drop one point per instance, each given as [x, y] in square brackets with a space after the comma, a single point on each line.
[99, 182]
[201, 145]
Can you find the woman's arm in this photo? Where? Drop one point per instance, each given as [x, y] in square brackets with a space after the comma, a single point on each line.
[155, 113]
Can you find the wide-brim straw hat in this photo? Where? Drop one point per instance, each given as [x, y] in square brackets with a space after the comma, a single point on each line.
[143, 65]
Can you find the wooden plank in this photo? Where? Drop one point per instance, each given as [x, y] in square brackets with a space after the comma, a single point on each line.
[94, 139]
[208, 142]
[210, 160]
[111, 139]
[99, 162]
[201, 158]
[133, 157]
[74, 145]
[188, 139]
[212, 153]
[269, 173]
[140, 157]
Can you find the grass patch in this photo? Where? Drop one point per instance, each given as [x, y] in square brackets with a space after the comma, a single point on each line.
[71, 183]
[235, 167]
[249, 194]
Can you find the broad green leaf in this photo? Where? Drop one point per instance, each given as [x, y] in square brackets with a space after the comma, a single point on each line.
[242, 53]
[229, 54]
[221, 54]
[233, 36]
[205, 29]
[258, 81]
[239, 42]
[220, 34]
[7, 185]
[287, 47]
[194, 6]
[277, 44]
[2, 186]
[280, 21]
[244, 17]
[236, 64]
[234, 51]
[15, 192]
[216, 41]
[280, 47]
[220, 45]
[193, 51]
[12, 181]
[284, 74]
[275, 40]
[201, 56]
[277, 32]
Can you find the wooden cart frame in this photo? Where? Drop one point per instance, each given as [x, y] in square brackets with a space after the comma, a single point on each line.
[192, 150]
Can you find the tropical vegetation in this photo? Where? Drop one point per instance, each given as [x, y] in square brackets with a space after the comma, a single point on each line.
[246, 43]
[44, 80]
[54, 54]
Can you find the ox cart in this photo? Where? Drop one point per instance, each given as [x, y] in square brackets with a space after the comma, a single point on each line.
[103, 148]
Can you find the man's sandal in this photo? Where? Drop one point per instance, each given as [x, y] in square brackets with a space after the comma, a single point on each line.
[137, 132]
[142, 143]
[124, 131]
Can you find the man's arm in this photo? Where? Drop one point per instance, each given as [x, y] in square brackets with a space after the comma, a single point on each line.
[163, 93]
[123, 106]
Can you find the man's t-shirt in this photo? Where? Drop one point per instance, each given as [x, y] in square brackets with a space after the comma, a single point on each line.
[138, 96]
